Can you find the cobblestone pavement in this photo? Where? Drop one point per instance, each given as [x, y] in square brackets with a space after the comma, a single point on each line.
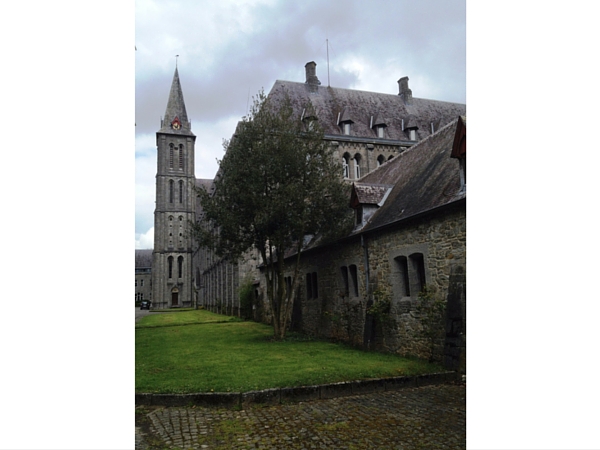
[428, 417]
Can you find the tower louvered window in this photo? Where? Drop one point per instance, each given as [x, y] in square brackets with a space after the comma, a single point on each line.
[180, 191]
[170, 191]
[171, 155]
[180, 156]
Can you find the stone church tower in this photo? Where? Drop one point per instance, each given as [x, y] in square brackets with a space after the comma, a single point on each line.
[175, 200]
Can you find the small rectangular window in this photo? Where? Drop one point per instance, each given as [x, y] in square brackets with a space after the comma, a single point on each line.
[345, 285]
[402, 266]
[347, 128]
[354, 279]
[417, 266]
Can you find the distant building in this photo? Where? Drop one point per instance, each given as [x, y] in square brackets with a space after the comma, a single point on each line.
[143, 275]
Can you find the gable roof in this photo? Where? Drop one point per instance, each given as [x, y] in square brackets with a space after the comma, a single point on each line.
[425, 177]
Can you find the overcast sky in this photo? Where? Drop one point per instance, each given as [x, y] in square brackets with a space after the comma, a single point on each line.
[68, 186]
[228, 51]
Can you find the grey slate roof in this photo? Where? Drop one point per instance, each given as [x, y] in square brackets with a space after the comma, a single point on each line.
[143, 259]
[206, 184]
[333, 104]
[425, 177]
[368, 194]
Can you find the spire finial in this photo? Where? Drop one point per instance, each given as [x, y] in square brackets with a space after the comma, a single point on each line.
[176, 56]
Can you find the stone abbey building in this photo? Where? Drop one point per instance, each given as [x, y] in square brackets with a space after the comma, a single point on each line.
[405, 158]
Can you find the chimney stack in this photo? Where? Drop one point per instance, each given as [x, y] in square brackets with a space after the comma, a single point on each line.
[405, 92]
[311, 74]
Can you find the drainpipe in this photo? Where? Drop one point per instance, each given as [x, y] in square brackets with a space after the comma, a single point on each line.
[365, 247]
[368, 324]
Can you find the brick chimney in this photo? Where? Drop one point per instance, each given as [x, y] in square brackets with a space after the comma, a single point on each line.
[405, 92]
[311, 74]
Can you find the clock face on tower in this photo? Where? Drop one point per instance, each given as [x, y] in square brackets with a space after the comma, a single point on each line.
[176, 124]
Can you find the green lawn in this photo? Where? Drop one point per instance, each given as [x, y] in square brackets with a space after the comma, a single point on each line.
[198, 351]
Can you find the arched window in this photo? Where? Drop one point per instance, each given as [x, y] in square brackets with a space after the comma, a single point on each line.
[180, 191]
[380, 160]
[357, 166]
[345, 165]
[171, 155]
[180, 267]
[170, 260]
[170, 191]
[181, 156]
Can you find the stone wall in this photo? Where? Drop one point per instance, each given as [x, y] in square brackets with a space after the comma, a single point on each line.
[336, 312]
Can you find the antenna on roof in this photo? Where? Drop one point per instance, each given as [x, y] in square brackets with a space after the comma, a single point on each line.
[328, 84]
[248, 101]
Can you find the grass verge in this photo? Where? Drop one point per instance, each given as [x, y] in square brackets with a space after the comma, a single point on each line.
[199, 351]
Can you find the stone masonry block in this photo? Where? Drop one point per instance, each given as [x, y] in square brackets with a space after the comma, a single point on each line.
[299, 394]
[396, 383]
[336, 390]
[366, 386]
[266, 396]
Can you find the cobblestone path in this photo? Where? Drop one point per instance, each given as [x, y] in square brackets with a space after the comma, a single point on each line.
[429, 417]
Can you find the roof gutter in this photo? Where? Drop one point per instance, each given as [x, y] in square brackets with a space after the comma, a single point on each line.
[364, 232]
[345, 138]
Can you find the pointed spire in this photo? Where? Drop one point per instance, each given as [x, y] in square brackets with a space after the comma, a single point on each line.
[176, 119]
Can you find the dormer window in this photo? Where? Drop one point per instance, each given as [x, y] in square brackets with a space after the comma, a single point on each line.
[359, 216]
[310, 123]
[365, 200]
[378, 123]
[309, 118]
[410, 126]
[459, 150]
[344, 120]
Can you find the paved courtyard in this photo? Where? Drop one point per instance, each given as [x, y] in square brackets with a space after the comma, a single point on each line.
[428, 417]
